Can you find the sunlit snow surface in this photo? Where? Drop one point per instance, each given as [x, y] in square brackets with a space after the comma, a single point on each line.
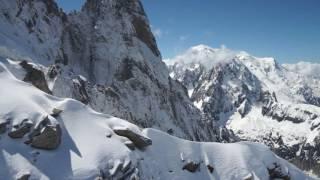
[85, 150]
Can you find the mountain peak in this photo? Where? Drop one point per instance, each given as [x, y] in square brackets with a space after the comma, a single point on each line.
[205, 55]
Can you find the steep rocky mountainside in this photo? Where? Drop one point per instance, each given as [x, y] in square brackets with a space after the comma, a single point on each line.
[105, 56]
[257, 98]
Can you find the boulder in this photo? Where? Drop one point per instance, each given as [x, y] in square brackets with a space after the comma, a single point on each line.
[48, 139]
[191, 167]
[24, 177]
[276, 172]
[138, 140]
[20, 130]
[210, 168]
[56, 112]
[3, 127]
[35, 76]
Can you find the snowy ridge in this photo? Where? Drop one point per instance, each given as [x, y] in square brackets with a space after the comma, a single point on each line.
[257, 98]
[90, 148]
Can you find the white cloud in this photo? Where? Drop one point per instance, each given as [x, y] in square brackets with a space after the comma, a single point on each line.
[206, 55]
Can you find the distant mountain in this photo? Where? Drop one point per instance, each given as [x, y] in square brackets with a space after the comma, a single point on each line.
[257, 98]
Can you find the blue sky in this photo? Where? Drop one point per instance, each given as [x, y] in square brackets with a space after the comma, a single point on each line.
[288, 30]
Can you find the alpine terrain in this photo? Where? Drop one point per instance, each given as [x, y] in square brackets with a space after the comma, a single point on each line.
[257, 98]
[86, 95]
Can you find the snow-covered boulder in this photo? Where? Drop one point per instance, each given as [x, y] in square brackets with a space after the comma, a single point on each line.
[138, 140]
[19, 130]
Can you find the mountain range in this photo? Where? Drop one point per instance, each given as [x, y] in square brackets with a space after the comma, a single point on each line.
[86, 95]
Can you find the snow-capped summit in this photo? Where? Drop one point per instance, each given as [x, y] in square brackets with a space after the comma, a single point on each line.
[205, 55]
[257, 98]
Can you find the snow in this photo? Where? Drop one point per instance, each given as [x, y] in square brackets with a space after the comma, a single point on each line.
[220, 90]
[255, 126]
[230, 161]
[86, 151]
[205, 55]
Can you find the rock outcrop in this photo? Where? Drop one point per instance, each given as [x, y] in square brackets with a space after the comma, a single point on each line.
[138, 140]
[21, 129]
[48, 139]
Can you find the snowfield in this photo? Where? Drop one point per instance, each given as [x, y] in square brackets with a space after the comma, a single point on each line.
[90, 148]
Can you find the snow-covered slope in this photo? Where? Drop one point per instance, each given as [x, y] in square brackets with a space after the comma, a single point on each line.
[257, 98]
[98, 146]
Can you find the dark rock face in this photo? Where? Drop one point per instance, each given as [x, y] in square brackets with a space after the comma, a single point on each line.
[80, 90]
[48, 139]
[222, 97]
[281, 112]
[144, 34]
[210, 168]
[125, 70]
[309, 96]
[24, 177]
[191, 167]
[3, 127]
[139, 141]
[276, 172]
[36, 77]
[20, 130]
[56, 112]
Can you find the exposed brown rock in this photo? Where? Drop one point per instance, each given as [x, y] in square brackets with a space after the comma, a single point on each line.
[277, 173]
[3, 127]
[56, 112]
[191, 167]
[210, 168]
[24, 177]
[35, 76]
[138, 140]
[20, 130]
[48, 139]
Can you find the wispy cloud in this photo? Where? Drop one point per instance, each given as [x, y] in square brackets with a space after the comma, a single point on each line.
[157, 32]
[183, 37]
